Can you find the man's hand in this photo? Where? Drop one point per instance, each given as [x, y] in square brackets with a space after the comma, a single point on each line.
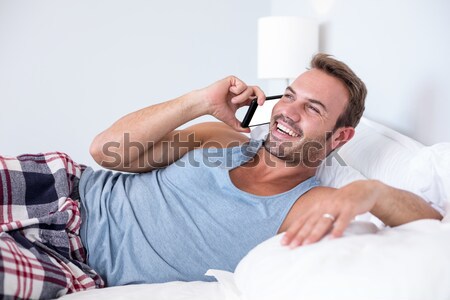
[332, 211]
[224, 97]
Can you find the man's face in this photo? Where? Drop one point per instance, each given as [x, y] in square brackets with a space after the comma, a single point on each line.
[304, 115]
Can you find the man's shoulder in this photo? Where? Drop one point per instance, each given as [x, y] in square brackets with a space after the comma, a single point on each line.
[218, 135]
[319, 191]
[304, 203]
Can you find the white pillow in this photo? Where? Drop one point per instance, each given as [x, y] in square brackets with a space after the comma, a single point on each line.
[379, 152]
[429, 175]
[406, 262]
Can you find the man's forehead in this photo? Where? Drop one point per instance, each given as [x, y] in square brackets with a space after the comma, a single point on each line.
[317, 84]
[313, 75]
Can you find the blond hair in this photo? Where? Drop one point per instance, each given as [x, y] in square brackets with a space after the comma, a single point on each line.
[355, 86]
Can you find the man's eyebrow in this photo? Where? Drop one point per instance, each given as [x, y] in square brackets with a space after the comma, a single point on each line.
[310, 100]
[290, 90]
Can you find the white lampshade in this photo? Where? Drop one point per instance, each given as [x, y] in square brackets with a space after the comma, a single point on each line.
[286, 46]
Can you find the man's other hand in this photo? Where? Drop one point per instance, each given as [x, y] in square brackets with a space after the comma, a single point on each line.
[332, 211]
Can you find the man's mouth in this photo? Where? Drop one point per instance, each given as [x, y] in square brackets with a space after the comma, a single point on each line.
[285, 130]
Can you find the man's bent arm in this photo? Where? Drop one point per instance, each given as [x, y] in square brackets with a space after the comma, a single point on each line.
[147, 139]
[325, 209]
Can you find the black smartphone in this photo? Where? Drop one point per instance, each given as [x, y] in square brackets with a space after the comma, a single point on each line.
[252, 108]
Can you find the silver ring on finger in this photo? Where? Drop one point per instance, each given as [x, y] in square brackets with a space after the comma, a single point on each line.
[329, 216]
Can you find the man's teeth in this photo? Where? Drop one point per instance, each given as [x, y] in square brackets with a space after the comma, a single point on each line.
[284, 129]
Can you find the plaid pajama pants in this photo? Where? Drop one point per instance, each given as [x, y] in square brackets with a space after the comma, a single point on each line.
[41, 254]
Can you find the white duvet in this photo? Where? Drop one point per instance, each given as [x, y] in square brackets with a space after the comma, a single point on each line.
[175, 290]
[408, 262]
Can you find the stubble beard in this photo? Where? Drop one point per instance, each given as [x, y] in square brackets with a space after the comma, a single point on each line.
[303, 150]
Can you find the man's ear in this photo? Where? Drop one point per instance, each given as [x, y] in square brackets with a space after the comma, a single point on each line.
[341, 136]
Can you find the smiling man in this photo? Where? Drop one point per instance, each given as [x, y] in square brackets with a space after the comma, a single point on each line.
[202, 197]
[317, 114]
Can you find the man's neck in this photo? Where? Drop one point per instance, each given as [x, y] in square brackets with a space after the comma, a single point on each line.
[266, 167]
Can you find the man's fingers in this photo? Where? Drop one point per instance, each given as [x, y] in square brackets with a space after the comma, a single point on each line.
[310, 229]
[244, 93]
[236, 124]
[260, 94]
[303, 233]
[244, 97]
[341, 224]
[293, 229]
[321, 228]
[237, 86]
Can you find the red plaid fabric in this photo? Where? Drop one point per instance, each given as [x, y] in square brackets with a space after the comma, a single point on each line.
[41, 253]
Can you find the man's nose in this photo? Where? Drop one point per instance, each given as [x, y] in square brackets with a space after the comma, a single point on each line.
[292, 111]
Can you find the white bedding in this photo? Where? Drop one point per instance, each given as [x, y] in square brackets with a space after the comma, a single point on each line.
[406, 262]
[224, 289]
[410, 262]
[175, 290]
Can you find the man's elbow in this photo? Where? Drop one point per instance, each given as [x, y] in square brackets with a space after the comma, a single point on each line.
[434, 214]
[95, 152]
[105, 153]
[95, 149]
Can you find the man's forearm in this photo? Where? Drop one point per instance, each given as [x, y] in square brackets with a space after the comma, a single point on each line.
[396, 207]
[147, 126]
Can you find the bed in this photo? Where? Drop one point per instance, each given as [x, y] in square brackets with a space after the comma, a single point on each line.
[371, 261]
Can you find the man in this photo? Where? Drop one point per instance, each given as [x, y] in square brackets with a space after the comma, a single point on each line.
[202, 197]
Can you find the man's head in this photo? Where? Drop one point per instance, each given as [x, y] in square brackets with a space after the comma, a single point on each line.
[357, 89]
[317, 113]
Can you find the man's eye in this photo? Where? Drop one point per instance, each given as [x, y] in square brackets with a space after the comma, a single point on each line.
[312, 108]
[289, 96]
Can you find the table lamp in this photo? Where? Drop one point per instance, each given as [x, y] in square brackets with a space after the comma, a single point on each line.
[285, 46]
